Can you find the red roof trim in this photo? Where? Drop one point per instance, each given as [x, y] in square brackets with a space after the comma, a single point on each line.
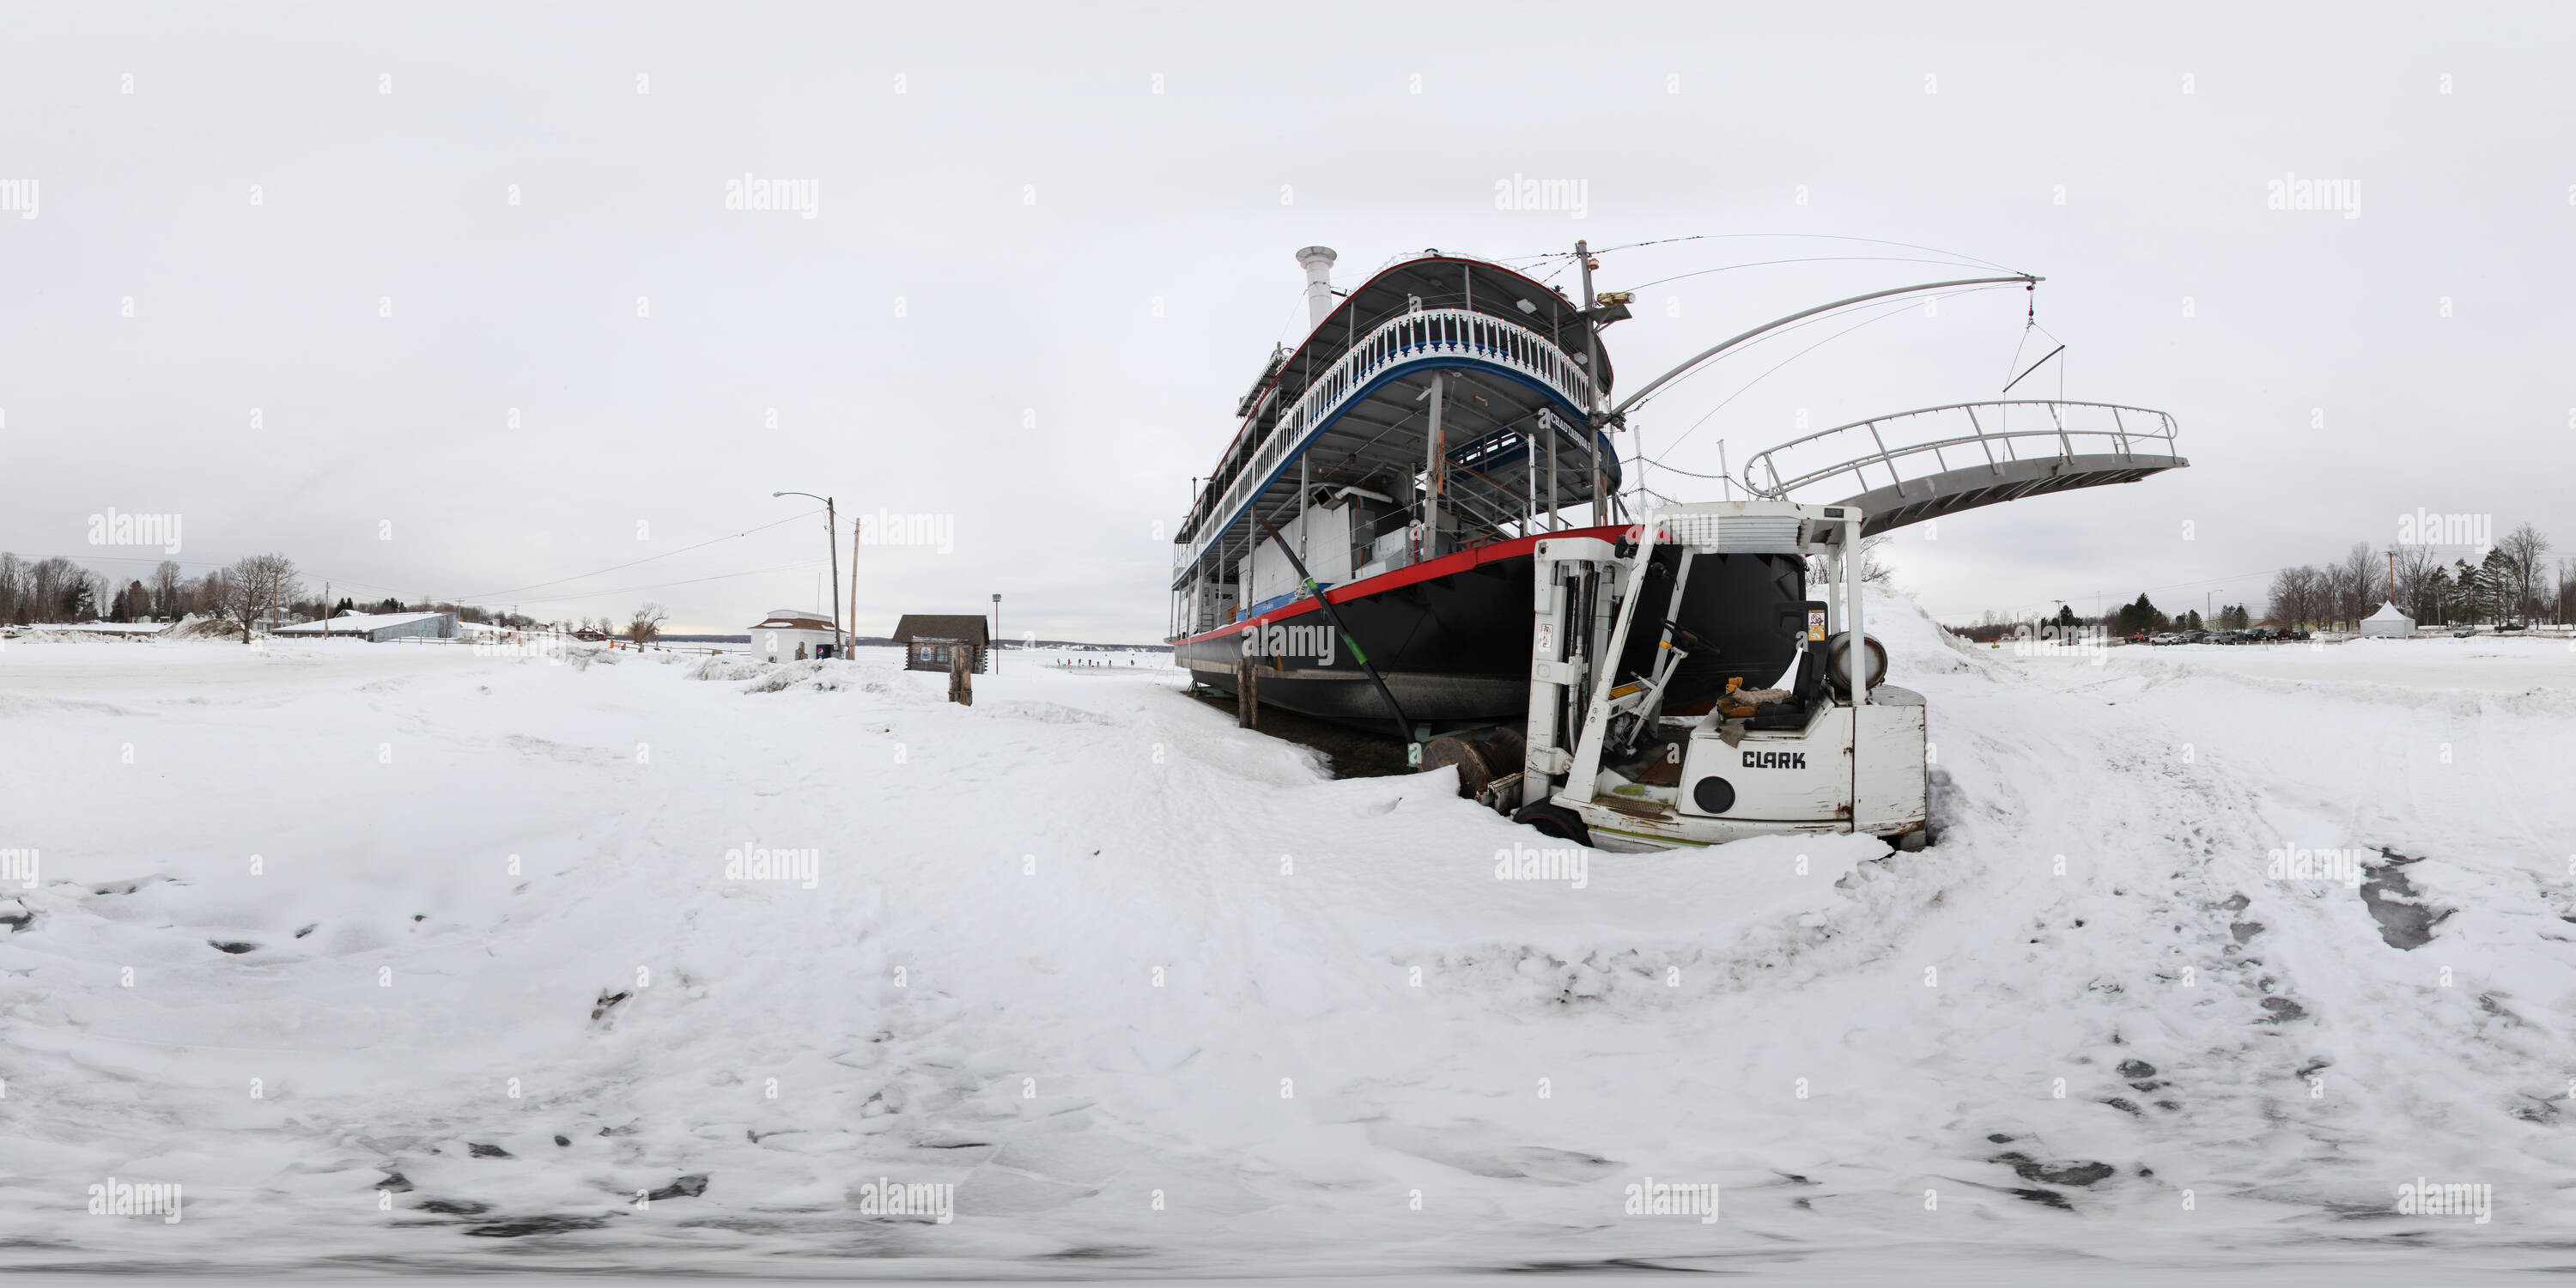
[1444, 566]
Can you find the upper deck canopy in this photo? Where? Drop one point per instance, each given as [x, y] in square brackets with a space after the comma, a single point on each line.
[1428, 281]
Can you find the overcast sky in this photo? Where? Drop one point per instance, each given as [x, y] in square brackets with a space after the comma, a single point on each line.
[1050, 246]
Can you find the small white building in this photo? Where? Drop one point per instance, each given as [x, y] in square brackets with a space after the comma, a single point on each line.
[2387, 622]
[775, 639]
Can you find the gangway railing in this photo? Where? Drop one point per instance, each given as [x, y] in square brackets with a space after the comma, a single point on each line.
[1410, 339]
[2083, 444]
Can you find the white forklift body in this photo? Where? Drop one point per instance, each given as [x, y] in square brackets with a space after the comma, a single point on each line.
[1852, 760]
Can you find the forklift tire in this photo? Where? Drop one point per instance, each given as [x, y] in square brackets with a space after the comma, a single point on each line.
[1552, 819]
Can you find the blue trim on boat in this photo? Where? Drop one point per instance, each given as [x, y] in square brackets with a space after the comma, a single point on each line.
[1282, 601]
[1443, 362]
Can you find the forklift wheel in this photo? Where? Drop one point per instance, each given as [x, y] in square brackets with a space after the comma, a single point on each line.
[1555, 820]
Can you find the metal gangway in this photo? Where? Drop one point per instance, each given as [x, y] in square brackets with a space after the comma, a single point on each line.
[2005, 456]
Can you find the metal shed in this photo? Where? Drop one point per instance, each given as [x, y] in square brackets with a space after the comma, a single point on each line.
[376, 628]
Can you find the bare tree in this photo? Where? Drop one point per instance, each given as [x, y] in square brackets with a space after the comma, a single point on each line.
[646, 624]
[1873, 569]
[2356, 584]
[204, 596]
[54, 588]
[2294, 596]
[165, 589]
[13, 589]
[2417, 566]
[257, 586]
[2525, 552]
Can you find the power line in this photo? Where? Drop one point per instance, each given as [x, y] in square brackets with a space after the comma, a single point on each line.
[199, 563]
[691, 581]
[494, 594]
[1889, 311]
[514, 591]
[1812, 259]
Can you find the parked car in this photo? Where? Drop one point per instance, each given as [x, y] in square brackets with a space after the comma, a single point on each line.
[2195, 637]
[2162, 638]
[2464, 632]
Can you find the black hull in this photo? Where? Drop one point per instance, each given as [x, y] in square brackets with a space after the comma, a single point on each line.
[1451, 638]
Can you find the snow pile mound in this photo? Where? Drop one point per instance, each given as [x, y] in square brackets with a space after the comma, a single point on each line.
[193, 627]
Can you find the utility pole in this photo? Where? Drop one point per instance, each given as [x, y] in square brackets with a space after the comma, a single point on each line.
[831, 547]
[997, 632]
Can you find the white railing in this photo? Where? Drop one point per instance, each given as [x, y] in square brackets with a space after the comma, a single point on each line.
[1407, 338]
[2114, 430]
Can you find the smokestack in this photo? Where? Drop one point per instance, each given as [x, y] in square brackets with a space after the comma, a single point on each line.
[1318, 263]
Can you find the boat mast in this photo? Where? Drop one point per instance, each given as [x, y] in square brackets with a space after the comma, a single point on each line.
[1432, 468]
[1591, 380]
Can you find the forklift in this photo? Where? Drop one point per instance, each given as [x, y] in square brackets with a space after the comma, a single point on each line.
[1822, 747]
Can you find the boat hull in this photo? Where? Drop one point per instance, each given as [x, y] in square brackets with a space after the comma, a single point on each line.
[1451, 638]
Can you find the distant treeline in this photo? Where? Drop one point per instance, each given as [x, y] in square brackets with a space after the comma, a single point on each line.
[257, 590]
[2510, 581]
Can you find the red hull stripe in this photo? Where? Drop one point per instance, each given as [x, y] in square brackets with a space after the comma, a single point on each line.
[1444, 566]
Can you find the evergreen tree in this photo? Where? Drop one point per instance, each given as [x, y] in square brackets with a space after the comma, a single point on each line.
[2498, 586]
[2140, 616]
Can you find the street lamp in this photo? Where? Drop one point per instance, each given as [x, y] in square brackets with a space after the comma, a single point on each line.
[832, 547]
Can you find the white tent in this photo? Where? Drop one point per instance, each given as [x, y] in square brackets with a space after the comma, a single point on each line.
[2388, 621]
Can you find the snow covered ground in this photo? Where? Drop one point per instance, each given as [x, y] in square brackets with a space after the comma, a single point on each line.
[428, 958]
